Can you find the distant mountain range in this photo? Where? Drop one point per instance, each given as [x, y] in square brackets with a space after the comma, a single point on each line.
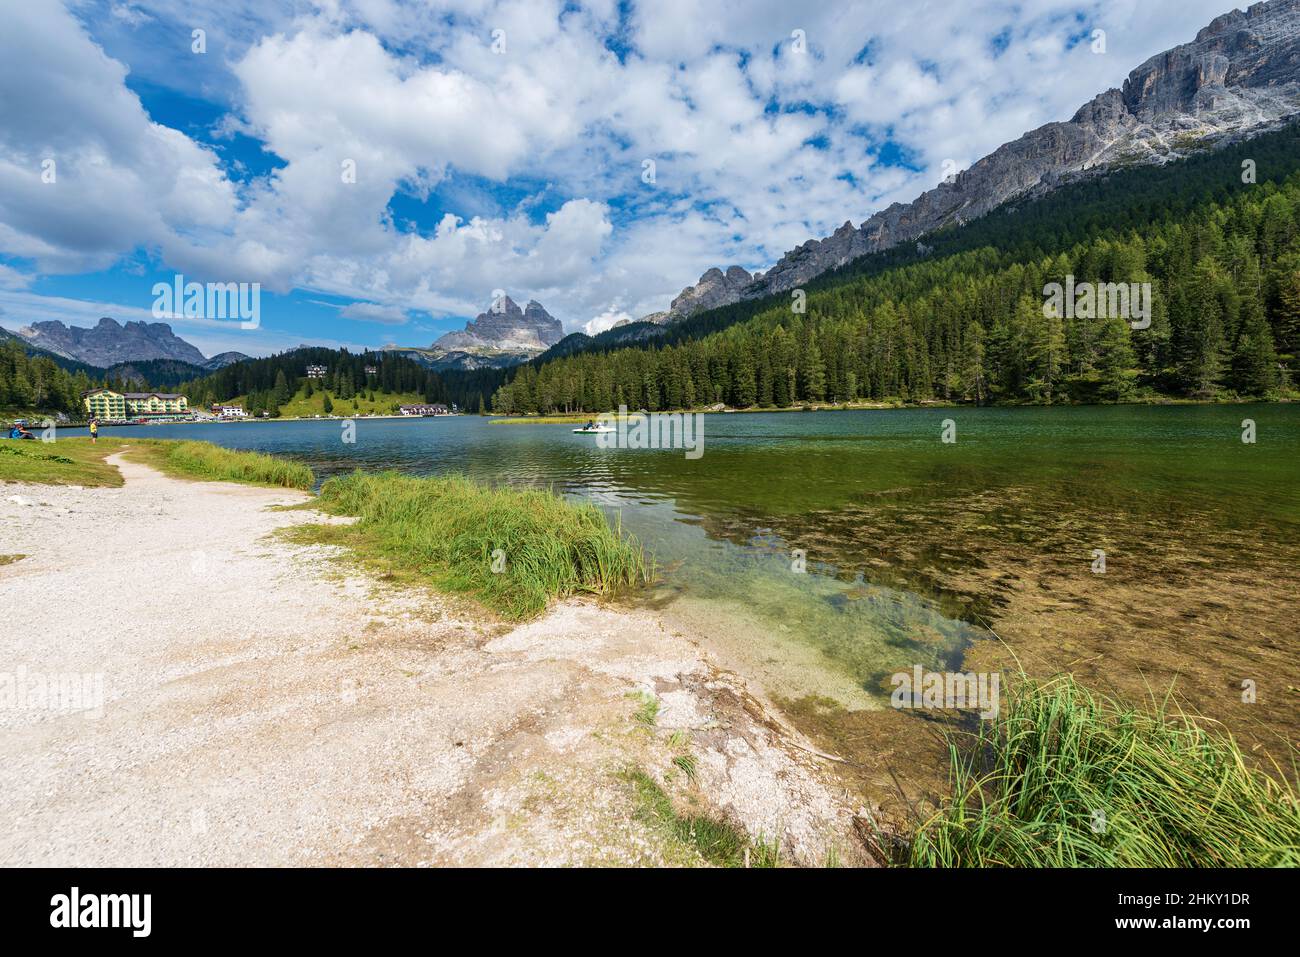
[1238, 78]
[109, 343]
[503, 336]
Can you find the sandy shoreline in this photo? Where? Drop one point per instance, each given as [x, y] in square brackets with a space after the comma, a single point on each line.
[264, 704]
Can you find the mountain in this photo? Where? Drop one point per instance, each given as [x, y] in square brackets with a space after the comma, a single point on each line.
[72, 365]
[163, 374]
[109, 343]
[714, 289]
[1238, 78]
[223, 359]
[503, 336]
[506, 328]
[440, 360]
[623, 333]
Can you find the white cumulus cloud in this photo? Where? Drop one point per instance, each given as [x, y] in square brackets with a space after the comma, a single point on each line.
[765, 122]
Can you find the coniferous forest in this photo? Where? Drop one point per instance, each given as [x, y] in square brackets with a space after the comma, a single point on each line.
[961, 316]
[37, 382]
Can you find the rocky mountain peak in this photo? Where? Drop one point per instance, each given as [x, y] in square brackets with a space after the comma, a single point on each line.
[1234, 62]
[536, 314]
[504, 327]
[715, 288]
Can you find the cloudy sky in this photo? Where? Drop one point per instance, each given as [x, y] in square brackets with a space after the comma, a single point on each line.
[381, 167]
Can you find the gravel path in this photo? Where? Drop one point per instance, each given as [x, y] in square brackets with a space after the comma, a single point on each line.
[217, 696]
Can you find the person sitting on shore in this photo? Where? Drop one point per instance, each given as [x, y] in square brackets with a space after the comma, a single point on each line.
[20, 431]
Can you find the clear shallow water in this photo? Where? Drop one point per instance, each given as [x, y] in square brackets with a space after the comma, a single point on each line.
[870, 496]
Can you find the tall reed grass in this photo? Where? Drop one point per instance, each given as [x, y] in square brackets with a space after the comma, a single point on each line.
[514, 550]
[1068, 778]
[204, 460]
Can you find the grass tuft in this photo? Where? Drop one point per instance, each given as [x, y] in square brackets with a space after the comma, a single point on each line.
[718, 842]
[513, 550]
[686, 764]
[648, 712]
[1068, 778]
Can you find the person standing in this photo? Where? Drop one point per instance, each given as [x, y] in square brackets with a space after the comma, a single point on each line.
[94, 431]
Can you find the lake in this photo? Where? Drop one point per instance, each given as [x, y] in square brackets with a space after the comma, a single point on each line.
[1142, 547]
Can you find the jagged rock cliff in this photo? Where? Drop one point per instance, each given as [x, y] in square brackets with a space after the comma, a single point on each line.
[109, 342]
[714, 289]
[1239, 77]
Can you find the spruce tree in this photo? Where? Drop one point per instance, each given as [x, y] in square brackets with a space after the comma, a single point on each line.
[1116, 360]
[1254, 360]
[813, 375]
[1286, 321]
[281, 390]
[1198, 335]
[1046, 352]
[973, 378]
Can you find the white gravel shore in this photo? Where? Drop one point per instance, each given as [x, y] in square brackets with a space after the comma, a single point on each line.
[265, 704]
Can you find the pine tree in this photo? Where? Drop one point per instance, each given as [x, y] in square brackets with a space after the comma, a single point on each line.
[813, 377]
[1044, 337]
[1286, 323]
[781, 392]
[765, 385]
[974, 386]
[1254, 360]
[745, 380]
[281, 390]
[1116, 360]
[1199, 341]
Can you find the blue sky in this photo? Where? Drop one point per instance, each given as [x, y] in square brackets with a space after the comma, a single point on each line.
[495, 145]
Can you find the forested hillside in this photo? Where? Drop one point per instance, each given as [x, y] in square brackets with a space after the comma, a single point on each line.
[33, 383]
[266, 385]
[961, 316]
[38, 384]
[163, 375]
